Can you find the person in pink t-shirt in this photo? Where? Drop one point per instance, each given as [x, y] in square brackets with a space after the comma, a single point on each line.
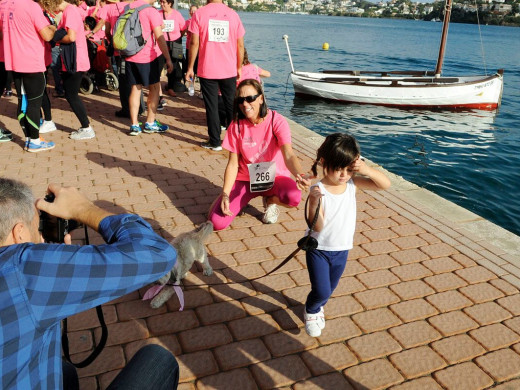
[252, 71]
[218, 38]
[143, 68]
[261, 160]
[24, 30]
[173, 26]
[73, 39]
[186, 31]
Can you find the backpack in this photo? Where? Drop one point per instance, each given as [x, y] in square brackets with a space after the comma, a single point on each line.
[128, 33]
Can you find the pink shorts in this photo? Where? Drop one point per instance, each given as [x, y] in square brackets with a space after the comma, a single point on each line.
[240, 196]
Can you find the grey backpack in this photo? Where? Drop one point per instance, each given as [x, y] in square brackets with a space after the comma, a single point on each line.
[128, 33]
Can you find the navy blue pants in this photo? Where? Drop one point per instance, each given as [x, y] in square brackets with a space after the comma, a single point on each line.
[325, 269]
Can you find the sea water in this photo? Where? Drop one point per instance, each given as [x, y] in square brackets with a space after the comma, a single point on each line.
[469, 158]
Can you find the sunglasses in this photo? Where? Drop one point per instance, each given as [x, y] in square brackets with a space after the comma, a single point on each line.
[249, 99]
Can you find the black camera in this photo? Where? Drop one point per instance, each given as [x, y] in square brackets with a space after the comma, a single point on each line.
[54, 229]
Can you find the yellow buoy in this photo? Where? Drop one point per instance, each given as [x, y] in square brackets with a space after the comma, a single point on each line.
[325, 46]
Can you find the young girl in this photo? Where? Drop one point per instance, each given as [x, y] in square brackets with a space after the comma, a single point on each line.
[343, 172]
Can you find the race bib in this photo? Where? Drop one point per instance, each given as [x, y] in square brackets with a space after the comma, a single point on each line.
[218, 30]
[261, 176]
[169, 26]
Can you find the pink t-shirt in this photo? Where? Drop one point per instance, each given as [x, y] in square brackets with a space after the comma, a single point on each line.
[100, 35]
[218, 28]
[188, 34]
[110, 12]
[2, 6]
[178, 24]
[250, 71]
[83, 10]
[24, 51]
[71, 19]
[150, 18]
[260, 143]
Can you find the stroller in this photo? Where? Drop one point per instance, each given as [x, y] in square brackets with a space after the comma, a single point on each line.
[100, 73]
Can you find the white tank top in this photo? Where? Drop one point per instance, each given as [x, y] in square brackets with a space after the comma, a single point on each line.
[339, 212]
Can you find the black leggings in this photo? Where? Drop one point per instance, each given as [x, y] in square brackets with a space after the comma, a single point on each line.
[71, 84]
[46, 103]
[34, 86]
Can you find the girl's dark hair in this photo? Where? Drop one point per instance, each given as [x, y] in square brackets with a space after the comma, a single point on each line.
[237, 113]
[90, 22]
[246, 58]
[338, 151]
[171, 2]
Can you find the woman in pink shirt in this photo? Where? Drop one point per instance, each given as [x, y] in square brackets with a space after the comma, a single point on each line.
[252, 71]
[71, 24]
[261, 160]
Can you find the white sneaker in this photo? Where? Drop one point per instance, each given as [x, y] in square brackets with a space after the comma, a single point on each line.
[321, 318]
[47, 127]
[83, 133]
[271, 214]
[312, 326]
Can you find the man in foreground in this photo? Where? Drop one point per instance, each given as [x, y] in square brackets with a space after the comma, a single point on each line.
[41, 284]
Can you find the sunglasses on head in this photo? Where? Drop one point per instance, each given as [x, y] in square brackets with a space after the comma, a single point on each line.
[249, 99]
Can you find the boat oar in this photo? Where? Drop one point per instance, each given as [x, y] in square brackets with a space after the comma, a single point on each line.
[286, 39]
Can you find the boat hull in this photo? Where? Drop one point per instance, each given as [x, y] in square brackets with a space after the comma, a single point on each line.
[467, 92]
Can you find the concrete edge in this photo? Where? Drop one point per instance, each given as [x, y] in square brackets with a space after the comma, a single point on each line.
[461, 217]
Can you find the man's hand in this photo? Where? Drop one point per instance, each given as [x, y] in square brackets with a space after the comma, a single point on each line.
[190, 74]
[69, 203]
[169, 65]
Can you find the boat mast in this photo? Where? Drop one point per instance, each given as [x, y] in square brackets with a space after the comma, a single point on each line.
[444, 36]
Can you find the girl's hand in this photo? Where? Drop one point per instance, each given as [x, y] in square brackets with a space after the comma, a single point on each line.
[224, 205]
[315, 195]
[303, 182]
[359, 166]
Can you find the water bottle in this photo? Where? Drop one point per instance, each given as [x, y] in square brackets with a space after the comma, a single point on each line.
[191, 88]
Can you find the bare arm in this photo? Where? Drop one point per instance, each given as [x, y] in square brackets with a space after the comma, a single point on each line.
[371, 179]
[265, 73]
[194, 51]
[159, 37]
[314, 198]
[47, 33]
[240, 56]
[230, 176]
[70, 37]
[302, 180]
[99, 25]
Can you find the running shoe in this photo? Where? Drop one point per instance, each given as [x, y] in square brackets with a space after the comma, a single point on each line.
[44, 145]
[155, 127]
[271, 214]
[83, 133]
[207, 145]
[5, 135]
[47, 127]
[311, 324]
[135, 130]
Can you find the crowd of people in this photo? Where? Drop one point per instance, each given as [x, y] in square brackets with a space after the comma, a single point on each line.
[261, 163]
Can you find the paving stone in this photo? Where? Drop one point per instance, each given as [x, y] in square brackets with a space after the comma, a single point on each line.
[196, 365]
[513, 324]
[264, 303]
[362, 376]
[328, 381]
[192, 298]
[416, 362]
[487, 313]
[297, 295]
[476, 274]
[252, 256]
[220, 312]
[377, 262]
[481, 292]
[408, 256]
[501, 365]
[286, 343]
[244, 273]
[414, 334]
[338, 330]
[441, 265]
[511, 385]
[241, 354]
[511, 303]
[416, 309]
[448, 301]
[80, 341]
[236, 379]
[408, 242]
[290, 318]
[408, 230]
[452, 323]
[379, 297]
[458, 348]
[374, 320]
[124, 332]
[495, 336]
[284, 371]
[463, 376]
[348, 285]
[504, 286]
[412, 289]
[88, 319]
[463, 260]
[424, 383]
[110, 359]
[411, 271]
[353, 268]
[204, 337]
[439, 250]
[373, 346]
[380, 234]
[445, 282]
[235, 291]
[342, 306]
[277, 282]
[253, 327]
[380, 278]
[172, 322]
[167, 341]
[379, 247]
[329, 358]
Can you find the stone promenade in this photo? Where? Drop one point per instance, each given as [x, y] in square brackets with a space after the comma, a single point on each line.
[423, 303]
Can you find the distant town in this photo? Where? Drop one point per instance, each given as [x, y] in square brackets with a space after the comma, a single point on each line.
[494, 12]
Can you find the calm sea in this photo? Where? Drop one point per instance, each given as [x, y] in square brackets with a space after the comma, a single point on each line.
[472, 158]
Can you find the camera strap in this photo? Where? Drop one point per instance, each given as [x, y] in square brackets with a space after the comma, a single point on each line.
[104, 334]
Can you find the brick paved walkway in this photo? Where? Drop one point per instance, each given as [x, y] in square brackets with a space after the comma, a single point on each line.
[422, 303]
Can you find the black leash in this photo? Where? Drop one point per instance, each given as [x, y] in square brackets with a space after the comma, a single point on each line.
[306, 243]
[104, 334]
